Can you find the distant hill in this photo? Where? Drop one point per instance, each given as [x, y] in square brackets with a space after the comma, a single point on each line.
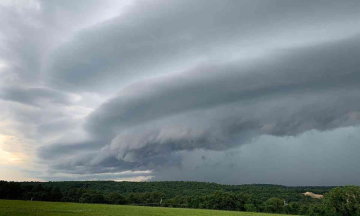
[189, 188]
[252, 197]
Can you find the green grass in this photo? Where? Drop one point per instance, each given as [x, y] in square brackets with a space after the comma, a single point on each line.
[16, 207]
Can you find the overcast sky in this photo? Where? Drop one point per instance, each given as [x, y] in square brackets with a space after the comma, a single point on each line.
[226, 91]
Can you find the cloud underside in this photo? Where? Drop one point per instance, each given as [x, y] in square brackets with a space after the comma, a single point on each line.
[158, 83]
[221, 107]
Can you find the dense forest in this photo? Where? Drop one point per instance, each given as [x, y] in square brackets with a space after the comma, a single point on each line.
[254, 198]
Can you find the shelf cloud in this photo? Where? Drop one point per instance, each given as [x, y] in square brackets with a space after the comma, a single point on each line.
[149, 89]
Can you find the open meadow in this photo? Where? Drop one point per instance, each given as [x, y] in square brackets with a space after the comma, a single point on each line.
[16, 207]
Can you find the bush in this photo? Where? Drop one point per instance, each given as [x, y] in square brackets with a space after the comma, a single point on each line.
[92, 198]
[250, 207]
[274, 205]
[115, 198]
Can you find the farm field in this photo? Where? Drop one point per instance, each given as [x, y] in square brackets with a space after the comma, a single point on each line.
[16, 207]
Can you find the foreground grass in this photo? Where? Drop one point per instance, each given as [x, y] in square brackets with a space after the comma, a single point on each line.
[16, 207]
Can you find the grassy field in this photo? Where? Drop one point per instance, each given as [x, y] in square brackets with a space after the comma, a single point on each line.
[11, 207]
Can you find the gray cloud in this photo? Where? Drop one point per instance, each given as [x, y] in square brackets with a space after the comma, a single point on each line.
[288, 72]
[138, 85]
[228, 108]
[53, 151]
[313, 158]
[34, 96]
[159, 38]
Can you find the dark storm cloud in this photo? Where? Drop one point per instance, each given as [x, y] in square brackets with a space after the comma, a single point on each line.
[313, 158]
[232, 104]
[88, 163]
[329, 67]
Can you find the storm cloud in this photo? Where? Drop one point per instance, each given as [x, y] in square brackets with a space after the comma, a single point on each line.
[146, 87]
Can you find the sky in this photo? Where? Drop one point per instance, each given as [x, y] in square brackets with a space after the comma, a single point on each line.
[230, 91]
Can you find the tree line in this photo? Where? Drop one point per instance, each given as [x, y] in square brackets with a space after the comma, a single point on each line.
[338, 201]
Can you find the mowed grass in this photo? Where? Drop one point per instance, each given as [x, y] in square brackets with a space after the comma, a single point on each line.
[16, 207]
